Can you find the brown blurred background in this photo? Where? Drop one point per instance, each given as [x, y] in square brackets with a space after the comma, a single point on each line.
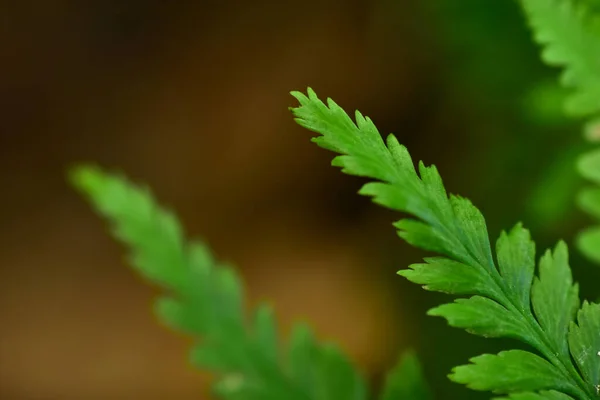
[191, 98]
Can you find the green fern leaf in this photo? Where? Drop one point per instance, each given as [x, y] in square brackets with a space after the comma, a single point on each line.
[588, 241]
[555, 299]
[584, 340]
[588, 200]
[205, 300]
[542, 395]
[452, 277]
[406, 381]
[509, 371]
[569, 31]
[516, 262]
[484, 317]
[589, 166]
[503, 292]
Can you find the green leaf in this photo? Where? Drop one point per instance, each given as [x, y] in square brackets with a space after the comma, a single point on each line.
[302, 356]
[324, 372]
[205, 300]
[406, 381]
[265, 332]
[542, 395]
[426, 237]
[588, 242]
[569, 33]
[366, 154]
[336, 377]
[443, 275]
[516, 262]
[502, 300]
[589, 166]
[509, 371]
[482, 316]
[472, 230]
[584, 342]
[588, 200]
[591, 130]
[555, 298]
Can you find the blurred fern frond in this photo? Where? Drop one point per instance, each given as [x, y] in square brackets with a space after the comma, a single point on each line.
[204, 298]
[569, 33]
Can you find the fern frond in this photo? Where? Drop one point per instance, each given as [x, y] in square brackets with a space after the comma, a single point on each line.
[507, 299]
[588, 200]
[543, 395]
[204, 299]
[405, 381]
[569, 32]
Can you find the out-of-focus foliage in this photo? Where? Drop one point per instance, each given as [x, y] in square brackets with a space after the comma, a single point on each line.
[491, 67]
[569, 32]
[405, 381]
[205, 299]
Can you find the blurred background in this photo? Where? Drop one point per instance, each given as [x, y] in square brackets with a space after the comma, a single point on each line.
[191, 98]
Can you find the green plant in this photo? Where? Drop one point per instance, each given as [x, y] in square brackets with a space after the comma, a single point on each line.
[501, 295]
[507, 299]
[569, 30]
[588, 240]
[514, 105]
[205, 299]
